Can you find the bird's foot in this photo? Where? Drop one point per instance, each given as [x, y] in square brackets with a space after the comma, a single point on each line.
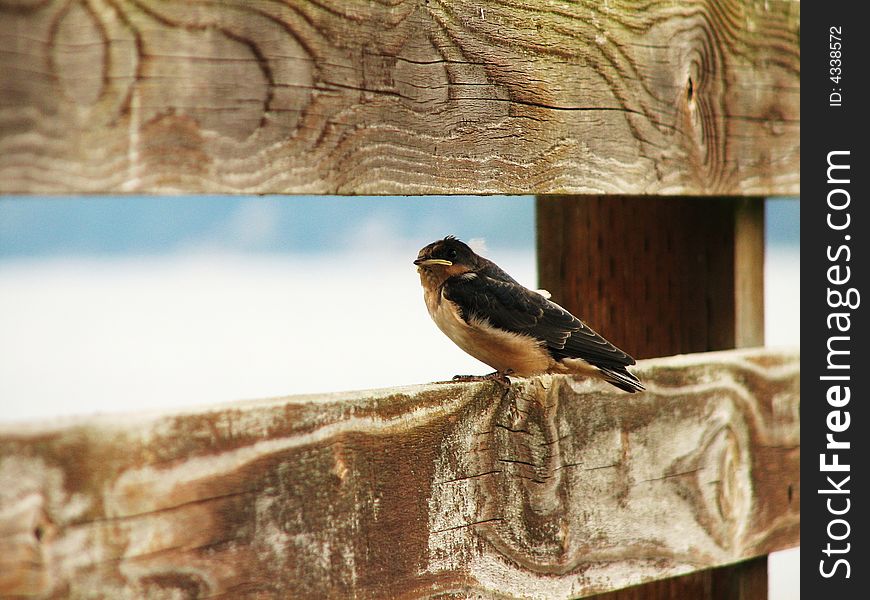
[497, 376]
[500, 377]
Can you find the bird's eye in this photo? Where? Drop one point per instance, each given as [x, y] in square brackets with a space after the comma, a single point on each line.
[451, 254]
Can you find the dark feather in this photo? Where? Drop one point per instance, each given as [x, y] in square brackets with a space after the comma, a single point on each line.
[493, 295]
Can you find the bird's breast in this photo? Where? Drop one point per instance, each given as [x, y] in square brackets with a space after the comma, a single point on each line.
[500, 349]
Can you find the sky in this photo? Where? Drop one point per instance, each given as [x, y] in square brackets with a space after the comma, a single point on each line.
[208, 299]
[113, 304]
[127, 225]
[158, 225]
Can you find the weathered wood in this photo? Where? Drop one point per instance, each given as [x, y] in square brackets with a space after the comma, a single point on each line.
[407, 97]
[557, 490]
[657, 276]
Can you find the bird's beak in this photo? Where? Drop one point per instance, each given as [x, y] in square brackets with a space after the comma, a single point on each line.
[426, 262]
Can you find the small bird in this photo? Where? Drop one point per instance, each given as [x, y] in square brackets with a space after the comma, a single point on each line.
[511, 328]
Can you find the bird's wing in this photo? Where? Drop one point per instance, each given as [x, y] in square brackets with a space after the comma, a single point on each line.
[509, 306]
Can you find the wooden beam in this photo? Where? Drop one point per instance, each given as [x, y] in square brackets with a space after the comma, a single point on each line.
[409, 97]
[552, 489]
[657, 276]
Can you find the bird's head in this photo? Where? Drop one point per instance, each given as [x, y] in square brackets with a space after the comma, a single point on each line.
[446, 258]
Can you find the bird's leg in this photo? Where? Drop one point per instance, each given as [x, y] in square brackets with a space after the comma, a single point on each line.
[497, 376]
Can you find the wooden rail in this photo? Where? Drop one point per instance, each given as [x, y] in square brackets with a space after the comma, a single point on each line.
[408, 97]
[551, 489]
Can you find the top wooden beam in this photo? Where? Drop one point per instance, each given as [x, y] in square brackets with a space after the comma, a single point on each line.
[406, 97]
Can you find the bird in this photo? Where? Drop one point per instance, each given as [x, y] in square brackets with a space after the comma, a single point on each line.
[515, 330]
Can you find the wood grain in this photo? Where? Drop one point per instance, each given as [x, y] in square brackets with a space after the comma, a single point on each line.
[407, 97]
[553, 489]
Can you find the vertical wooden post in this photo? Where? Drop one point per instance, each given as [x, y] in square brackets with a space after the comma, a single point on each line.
[745, 580]
[657, 276]
[748, 272]
[660, 276]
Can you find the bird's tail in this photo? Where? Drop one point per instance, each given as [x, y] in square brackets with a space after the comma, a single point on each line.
[622, 379]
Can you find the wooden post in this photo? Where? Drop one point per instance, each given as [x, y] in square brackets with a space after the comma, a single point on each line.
[657, 276]
[743, 581]
[661, 276]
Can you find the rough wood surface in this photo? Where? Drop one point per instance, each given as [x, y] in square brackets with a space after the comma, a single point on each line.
[689, 272]
[554, 489]
[412, 96]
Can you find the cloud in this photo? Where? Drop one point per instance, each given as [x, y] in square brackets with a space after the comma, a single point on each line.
[254, 225]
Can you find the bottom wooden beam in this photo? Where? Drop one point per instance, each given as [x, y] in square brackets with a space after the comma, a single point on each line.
[551, 488]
